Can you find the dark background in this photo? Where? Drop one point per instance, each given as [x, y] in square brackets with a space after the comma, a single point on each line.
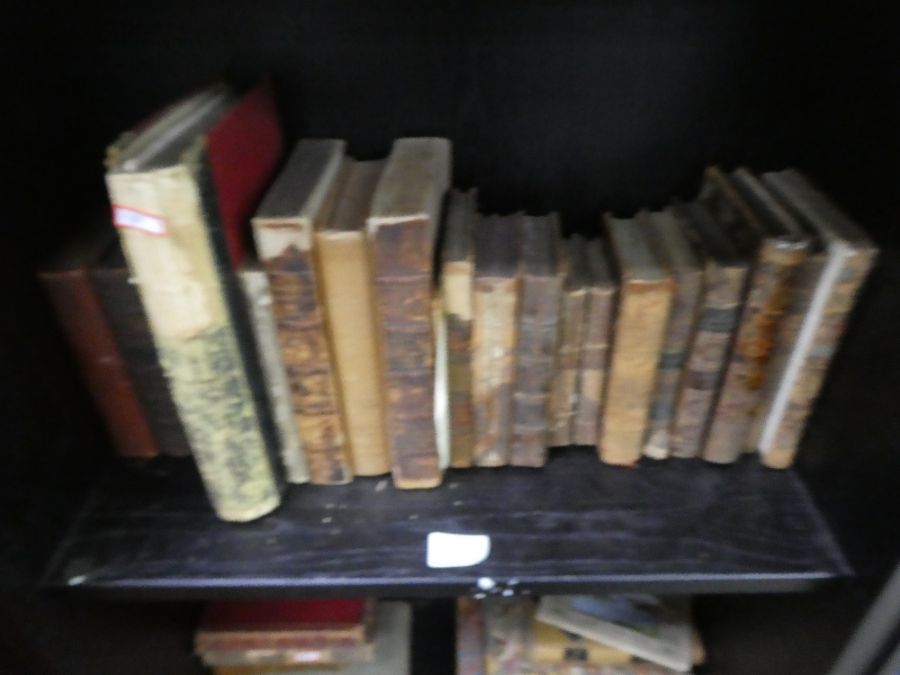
[580, 107]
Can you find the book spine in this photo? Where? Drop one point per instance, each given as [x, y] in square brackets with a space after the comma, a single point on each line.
[128, 323]
[259, 302]
[457, 292]
[401, 257]
[640, 329]
[470, 637]
[182, 284]
[593, 365]
[769, 291]
[538, 331]
[703, 371]
[508, 635]
[81, 316]
[781, 435]
[349, 300]
[325, 655]
[671, 363]
[493, 367]
[564, 396]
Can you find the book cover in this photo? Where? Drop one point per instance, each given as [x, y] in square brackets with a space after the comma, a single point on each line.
[778, 257]
[725, 273]
[684, 264]
[599, 313]
[349, 302]
[457, 271]
[297, 204]
[646, 291]
[507, 624]
[402, 227]
[842, 259]
[537, 335]
[182, 190]
[496, 290]
[553, 645]
[470, 637]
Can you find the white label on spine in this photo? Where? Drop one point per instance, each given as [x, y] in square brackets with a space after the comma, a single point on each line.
[457, 550]
[138, 220]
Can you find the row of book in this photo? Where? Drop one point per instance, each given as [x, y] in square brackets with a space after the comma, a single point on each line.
[704, 329]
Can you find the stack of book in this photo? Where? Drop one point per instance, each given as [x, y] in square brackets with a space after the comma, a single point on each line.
[318, 636]
[576, 635]
[349, 343]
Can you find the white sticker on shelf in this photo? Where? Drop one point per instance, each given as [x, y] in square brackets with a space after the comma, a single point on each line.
[138, 220]
[456, 550]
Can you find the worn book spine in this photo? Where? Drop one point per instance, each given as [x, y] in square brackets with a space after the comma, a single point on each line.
[259, 302]
[350, 303]
[538, 331]
[101, 362]
[470, 637]
[404, 303]
[564, 395]
[493, 367]
[181, 279]
[507, 624]
[599, 308]
[742, 386]
[128, 323]
[704, 368]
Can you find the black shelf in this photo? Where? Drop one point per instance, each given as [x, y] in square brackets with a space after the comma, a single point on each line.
[671, 527]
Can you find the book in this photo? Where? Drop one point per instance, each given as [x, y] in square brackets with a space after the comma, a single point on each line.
[402, 226]
[457, 269]
[778, 257]
[683, 263]
[655, 629]
[495, 304]
[392, 640]
[255, 285]
[646, 291]
[599, 313]
[564, 393]
[537, 335]
[470, 637]
[182, 189]
[333, 656]
[842, 259]
[553, 645]
[507, 625]
[349, 303]
[66, 278]
[296, 205]
[724, 276]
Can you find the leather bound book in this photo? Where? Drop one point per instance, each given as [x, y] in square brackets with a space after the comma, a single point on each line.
[80, 314]
[725, 274]
[494, 336]
[537, 335]
[255, 285]
[182, 189]
[683, 262]
[402, 228]
[817, 314]
[599, 313]
[297, 204]
[781, 252]
[564, 394]
[646, 291]
[457, 270]
[126, 319]
[346, 274]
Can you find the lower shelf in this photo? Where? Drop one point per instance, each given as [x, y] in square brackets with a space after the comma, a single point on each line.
[681, 526]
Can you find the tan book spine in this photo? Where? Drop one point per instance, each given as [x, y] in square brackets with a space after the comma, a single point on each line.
[564, 394]
[599, 305]
[350, 303]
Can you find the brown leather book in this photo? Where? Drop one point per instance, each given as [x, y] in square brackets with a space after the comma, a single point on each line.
[683, 262]
[725, 274]
[778, 257]
[538, 332]
[646, 291]
[349, 296]
[126, 319]
[495, 289]
[402, 228]
[297, 204]
[68, 284]
[457, 271]
[817, 315]
[564, 392]
[594, 359]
